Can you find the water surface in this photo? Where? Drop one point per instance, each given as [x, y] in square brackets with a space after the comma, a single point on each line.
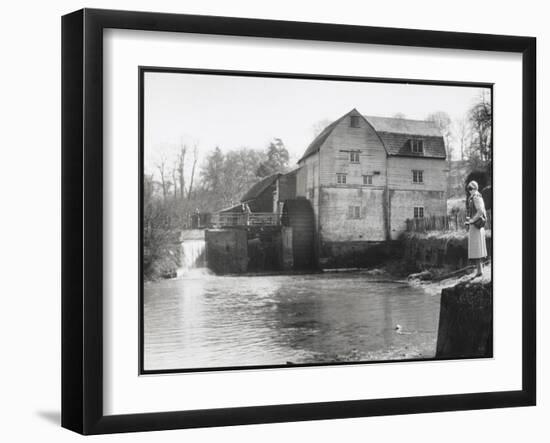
[203, 321]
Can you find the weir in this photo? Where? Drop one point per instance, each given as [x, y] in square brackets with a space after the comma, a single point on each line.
[193, 249]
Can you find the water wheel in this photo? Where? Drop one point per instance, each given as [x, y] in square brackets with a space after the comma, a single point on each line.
[298, 214]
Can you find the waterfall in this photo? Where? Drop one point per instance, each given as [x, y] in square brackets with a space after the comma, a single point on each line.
[192, 256]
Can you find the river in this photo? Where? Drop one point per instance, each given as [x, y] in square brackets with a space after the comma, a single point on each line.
[208, 321]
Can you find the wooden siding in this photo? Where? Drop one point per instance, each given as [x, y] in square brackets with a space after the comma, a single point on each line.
[335, 157]
[400, 173]
[404, 195]
[287, 186]
[301, 179]
[334, 215]
[264, 202]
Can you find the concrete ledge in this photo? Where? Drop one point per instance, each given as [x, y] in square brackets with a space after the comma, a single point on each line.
[226, 251]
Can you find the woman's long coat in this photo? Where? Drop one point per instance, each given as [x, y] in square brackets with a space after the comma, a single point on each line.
[477, 247]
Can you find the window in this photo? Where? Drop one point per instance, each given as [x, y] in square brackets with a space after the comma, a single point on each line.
[418, 212]
[341, 179]
[354, 156]
[354, 212]
[417, 146]
[367, 179]
[354, 121]
[418, 176]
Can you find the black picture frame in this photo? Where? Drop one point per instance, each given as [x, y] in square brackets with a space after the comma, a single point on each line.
[82, 220]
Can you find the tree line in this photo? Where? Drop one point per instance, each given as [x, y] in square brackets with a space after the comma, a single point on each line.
[178, 187]
[470, 137]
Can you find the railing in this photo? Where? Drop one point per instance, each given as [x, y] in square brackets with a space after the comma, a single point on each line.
[452, 222]
[226, 219]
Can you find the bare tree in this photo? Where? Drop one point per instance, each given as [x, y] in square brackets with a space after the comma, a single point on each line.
[161, 166]
[443, 123]
[318, 127]
[463, 136]
[195, 158]
[180, 167]
[480, 118]
[175, 179]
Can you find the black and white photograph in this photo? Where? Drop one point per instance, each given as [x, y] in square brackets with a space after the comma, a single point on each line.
[290, 221]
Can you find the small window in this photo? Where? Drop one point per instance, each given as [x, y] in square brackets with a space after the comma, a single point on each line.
[417, 145]
[418, 176]
[354, 121]
[354, 212]
[354, 156]
[367, 179]
[341, 179]
[418, 212]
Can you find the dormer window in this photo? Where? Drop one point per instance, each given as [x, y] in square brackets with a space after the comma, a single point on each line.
[417, 146]
[354, 121]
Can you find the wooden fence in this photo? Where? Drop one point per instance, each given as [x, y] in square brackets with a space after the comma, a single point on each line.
[452, 222]
[227, 219]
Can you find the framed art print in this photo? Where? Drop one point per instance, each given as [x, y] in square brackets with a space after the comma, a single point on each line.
[269, 221]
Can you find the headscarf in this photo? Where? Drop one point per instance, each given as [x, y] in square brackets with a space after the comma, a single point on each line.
[473, 184]
[471, 198]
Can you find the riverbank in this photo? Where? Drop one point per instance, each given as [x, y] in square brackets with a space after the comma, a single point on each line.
[439, 282]
[439, 249]
[439, 260]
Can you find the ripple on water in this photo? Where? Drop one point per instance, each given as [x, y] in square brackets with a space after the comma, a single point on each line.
[201, 321]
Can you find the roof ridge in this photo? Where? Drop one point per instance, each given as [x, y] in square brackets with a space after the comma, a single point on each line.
[399, 118]
[321, 137]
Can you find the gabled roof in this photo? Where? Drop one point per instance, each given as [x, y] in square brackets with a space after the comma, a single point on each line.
[404, 126]
[256, 190]
[318, 141]
[399, 145]
[395, 134]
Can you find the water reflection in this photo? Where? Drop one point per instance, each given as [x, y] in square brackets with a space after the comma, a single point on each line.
[204, 320]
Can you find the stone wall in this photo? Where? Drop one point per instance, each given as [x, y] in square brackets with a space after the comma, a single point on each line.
[357, 254]
[439, 249]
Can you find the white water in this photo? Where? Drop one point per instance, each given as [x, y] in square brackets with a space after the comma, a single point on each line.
[192, 256]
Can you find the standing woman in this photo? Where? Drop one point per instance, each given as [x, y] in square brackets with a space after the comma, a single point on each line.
[477, 249]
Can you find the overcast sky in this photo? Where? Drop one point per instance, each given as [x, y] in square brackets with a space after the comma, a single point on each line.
[232, 112]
